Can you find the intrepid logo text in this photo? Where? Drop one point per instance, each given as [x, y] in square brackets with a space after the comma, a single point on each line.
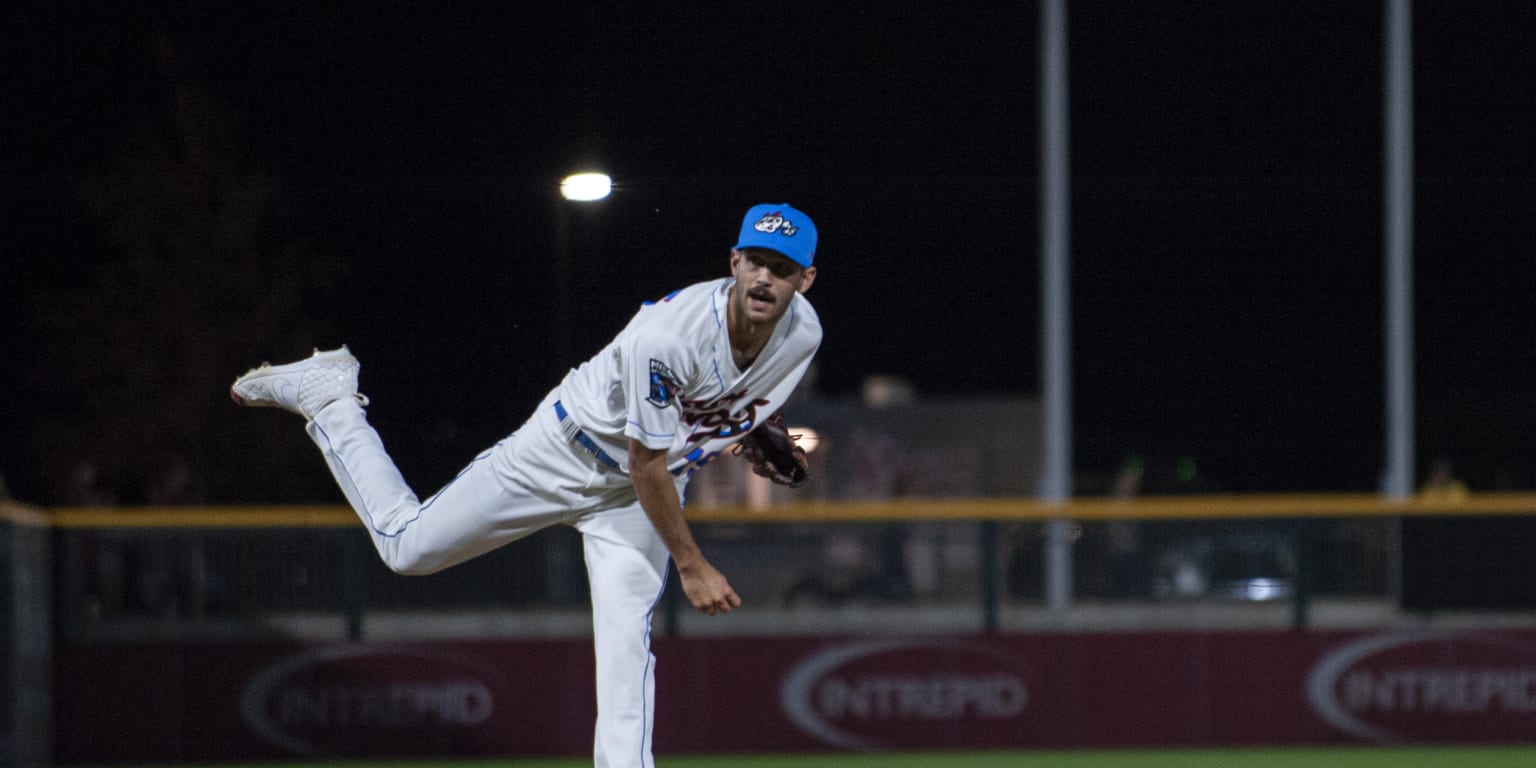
[869, 695]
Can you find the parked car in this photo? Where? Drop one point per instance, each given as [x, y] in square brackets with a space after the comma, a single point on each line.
[1239, 567]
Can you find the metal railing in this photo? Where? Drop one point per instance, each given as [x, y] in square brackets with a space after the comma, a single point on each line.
[125, 573]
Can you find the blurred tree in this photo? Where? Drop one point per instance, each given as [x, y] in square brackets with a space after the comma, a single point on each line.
[200, 272]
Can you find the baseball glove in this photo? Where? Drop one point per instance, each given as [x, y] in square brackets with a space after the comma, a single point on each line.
[772, 451]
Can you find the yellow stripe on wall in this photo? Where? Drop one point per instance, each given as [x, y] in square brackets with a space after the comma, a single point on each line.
[205, 517]
[1247, 506]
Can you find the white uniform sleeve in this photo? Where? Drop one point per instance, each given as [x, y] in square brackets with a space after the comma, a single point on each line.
[653, 362]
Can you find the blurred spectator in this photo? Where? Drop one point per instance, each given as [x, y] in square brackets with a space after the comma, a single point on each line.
[1122, 537]
[102, 555]
[863, 562]
[1443, 485]
[85, 489]
[174, 486]
[171, 572]
[877, 465]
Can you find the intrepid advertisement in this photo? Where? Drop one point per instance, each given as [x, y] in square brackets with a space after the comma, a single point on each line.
[1428, 687]
[353, 700]
[885, 694]
[225, 702]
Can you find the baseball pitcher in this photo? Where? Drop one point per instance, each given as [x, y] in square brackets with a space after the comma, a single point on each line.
[608, 452]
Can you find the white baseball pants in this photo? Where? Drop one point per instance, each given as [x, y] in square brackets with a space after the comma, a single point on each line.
[532, 479]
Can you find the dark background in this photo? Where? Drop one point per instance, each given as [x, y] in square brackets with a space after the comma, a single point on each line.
[190, 190]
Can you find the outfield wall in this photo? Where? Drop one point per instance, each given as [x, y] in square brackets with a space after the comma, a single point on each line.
[169, 703]
[228, 634]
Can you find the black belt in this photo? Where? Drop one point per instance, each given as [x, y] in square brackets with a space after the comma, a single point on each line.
[587, 443]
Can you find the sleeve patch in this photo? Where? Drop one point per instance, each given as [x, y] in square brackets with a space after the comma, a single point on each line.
[663, 388]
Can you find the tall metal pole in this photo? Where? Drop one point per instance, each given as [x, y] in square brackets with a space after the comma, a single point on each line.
[1397, 128]
[1055, 304]
[1397, 223]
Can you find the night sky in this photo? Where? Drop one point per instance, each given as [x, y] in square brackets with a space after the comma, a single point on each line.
[1226, 210]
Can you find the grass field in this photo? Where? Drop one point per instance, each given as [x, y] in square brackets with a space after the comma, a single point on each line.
[1342, 757]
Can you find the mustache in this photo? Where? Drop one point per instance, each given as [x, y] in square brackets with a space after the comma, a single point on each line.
[761, 294]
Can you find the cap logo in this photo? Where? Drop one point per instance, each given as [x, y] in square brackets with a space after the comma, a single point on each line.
[775, 223]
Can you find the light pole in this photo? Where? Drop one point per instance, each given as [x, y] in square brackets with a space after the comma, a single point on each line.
[583, 188]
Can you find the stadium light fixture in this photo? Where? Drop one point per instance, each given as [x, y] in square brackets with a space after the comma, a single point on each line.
[586, 187]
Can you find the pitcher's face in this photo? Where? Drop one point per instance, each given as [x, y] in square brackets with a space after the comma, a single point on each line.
[766, 283]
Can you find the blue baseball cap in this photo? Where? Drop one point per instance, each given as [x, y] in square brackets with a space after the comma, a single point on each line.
[780, 228]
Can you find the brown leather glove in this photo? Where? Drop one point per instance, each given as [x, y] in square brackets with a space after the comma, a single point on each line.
[773, 453]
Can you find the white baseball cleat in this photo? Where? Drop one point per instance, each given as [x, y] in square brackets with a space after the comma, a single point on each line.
[304, 387]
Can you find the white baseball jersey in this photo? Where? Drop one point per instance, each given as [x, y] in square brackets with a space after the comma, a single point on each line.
[669, 381]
